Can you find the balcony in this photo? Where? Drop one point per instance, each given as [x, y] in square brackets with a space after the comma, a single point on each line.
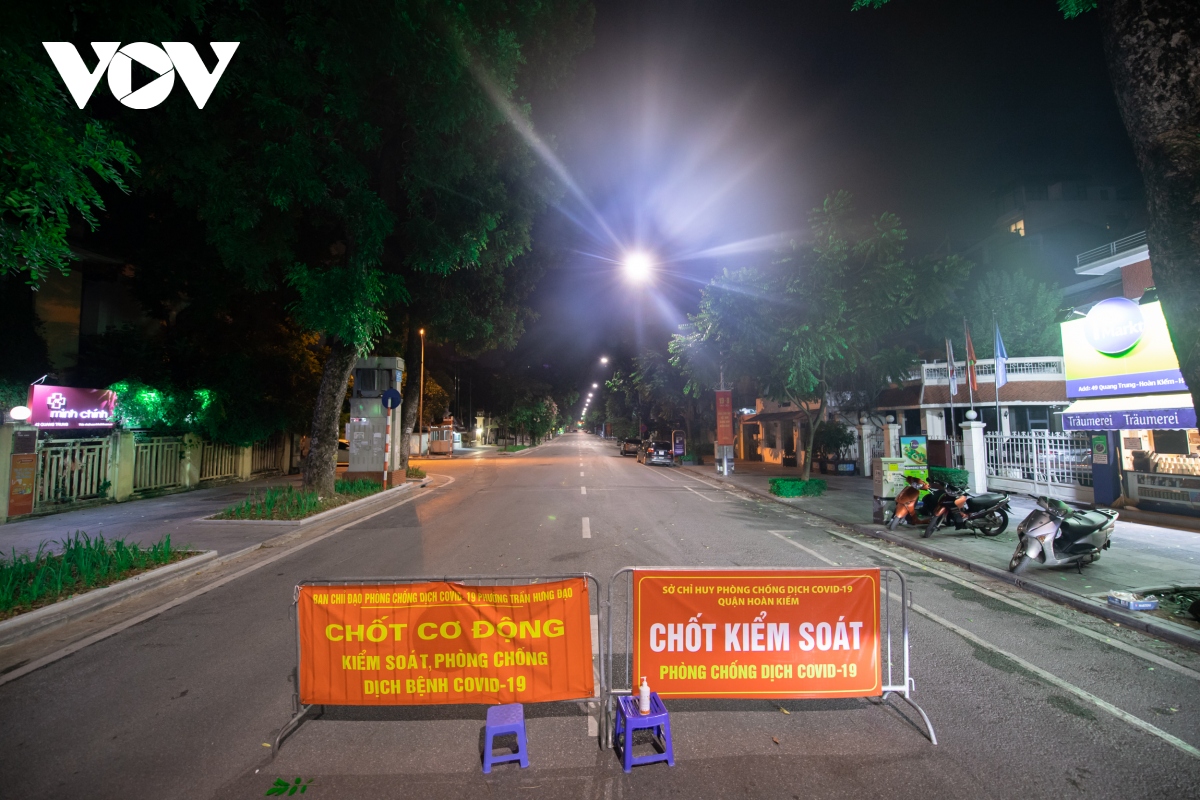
[1114, 255]
[1048, 368]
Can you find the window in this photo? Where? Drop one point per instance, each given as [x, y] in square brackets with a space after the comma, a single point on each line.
[1017, 227]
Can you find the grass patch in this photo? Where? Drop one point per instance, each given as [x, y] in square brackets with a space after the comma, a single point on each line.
[288, 502]
[32, 581]
[415, 472]
[512, 448]
[795, 487]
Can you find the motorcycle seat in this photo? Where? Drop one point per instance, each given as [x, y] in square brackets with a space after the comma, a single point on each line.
[983, 501]
[1081, 523]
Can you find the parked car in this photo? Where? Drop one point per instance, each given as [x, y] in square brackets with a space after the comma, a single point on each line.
[343, 453]
[653, 452]
[629, 447]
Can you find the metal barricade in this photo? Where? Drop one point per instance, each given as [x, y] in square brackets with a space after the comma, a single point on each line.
[300, 712]
[894, 641]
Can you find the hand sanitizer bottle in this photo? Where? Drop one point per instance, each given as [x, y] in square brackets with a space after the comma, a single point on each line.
[644, 697]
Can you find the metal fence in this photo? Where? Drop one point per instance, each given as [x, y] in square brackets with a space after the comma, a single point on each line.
[156, 463]
[267, 455]
[1041, 458]
[219, 461]
[69, 470]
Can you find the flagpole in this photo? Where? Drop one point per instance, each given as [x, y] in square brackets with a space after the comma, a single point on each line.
[951, 385]
[970, 349]
[996, 371]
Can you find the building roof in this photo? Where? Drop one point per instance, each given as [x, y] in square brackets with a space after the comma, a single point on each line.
[900, 397]
[773, 416]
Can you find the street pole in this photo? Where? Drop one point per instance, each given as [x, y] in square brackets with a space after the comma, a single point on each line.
[387, 445]
[421, 400]
[996, 377]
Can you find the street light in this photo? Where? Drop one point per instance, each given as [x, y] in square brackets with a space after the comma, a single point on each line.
[421, 397]
[603, 359]
[638, 267]
[595, 386]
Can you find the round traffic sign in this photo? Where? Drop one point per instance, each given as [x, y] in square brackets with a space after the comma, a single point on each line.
[391, 399]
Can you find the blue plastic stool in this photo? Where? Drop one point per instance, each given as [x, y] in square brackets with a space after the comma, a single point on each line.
[629, 719]
[502, 720]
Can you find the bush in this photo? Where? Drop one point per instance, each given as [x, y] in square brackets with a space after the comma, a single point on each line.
[795, 487]
[949, 476]
[832, 438]
[415, 472]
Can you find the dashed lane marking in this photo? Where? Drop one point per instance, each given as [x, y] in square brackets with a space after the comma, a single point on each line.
[587, 528]
[583, 490]
[796, 544]
[706, 497]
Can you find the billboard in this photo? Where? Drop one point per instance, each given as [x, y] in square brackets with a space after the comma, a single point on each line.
[439, 642]
[1120, 348]
[724, 417]
[751, 634]
[64, 407]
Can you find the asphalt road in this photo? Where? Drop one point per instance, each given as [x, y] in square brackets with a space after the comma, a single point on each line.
[1028, 699]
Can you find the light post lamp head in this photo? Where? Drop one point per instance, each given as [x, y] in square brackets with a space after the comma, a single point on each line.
[603, 359]
[638, 267]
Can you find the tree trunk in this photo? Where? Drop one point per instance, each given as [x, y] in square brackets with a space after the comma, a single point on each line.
[320, 468]
[412, 391]
[1153, 53]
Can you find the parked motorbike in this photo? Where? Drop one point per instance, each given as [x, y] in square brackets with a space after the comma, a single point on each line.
[908, 503]
[1056, 535]
[984, 513]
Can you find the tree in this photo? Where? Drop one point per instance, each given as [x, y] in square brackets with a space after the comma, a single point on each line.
[352, 148]
[1153, 52]
[1026, 309]
[51, 155]
[820, 319]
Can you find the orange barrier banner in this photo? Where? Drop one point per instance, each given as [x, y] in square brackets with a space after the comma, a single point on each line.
[439, 642]
[757, 634]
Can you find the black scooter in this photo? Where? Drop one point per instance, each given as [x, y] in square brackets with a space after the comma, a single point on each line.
[985, 513]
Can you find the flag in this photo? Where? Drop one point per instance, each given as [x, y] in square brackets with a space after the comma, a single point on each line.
[971, 378]
[953, 373]
[1001, 362]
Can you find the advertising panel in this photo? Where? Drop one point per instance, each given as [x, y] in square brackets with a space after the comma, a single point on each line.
[63, 407]
[21, 482]
[757, 634]
[1150, 412]
[679, 442]
[724, 417]
[1120, 348]
[440, 642]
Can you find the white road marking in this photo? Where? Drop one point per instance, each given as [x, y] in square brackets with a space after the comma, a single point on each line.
[154, 612]
[587, 528]
[693, 491]
[1119, 645]
[583, 490]
[796, 544]
[581, 474]
[1086, 696]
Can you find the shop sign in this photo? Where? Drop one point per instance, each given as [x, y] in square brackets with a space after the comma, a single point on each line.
[1134, 419]
[758, 634]
[1120, 348]
[440, 642]
[725, 417]
[1099, 449]
[64, 407]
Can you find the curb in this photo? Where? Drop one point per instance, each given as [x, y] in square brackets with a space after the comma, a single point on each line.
[97, 599]
[332, 513]
[1181, 637]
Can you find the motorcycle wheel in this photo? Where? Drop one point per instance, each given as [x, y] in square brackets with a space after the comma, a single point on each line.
[1020, 563]
[931, 527]
[893, 523]
[994, 523]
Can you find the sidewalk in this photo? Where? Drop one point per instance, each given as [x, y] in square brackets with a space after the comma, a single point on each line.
[1141, 556]
[147, 521]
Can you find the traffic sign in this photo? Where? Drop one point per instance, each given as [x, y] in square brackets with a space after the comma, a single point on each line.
[391, 399]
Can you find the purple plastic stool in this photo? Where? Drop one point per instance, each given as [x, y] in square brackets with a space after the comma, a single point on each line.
[502, 720]
[629, 719]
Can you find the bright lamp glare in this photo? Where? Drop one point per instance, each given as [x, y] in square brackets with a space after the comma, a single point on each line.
[20, 413]
[638, 267]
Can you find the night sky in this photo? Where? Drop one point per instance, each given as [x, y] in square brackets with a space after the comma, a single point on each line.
[703, 132]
